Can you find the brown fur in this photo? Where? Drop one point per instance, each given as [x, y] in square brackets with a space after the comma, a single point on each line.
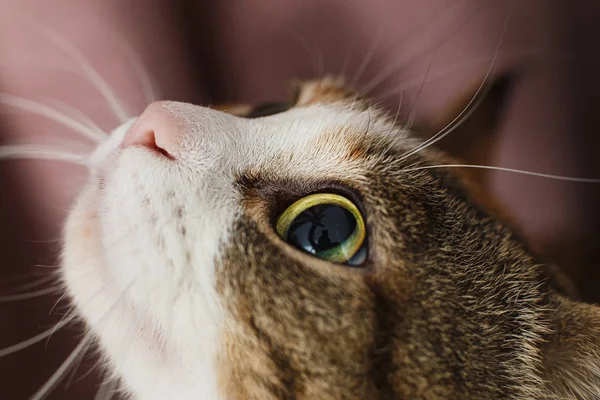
[327, 90]
[451, 304]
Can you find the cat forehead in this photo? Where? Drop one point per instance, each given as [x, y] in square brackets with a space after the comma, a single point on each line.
[303, 138]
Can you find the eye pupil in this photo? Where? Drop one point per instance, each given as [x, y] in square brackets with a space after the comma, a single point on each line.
[327, 225]
[321, 227]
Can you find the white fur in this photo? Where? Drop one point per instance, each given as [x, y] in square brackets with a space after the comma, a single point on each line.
[147, 290]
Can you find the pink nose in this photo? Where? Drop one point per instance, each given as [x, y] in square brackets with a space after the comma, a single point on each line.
[156, 129]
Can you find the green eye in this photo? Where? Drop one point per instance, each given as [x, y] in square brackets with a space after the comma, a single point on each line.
[326, 225]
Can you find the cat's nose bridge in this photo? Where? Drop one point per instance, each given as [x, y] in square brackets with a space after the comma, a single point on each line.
[156, 128]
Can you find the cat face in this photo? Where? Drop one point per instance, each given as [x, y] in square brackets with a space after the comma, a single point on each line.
[172, 256]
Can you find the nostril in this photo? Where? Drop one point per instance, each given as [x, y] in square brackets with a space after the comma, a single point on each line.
[145, 138]
[154, 130]
[136, 136]
[163, 151]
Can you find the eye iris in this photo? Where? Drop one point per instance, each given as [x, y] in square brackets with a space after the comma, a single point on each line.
[326, 225]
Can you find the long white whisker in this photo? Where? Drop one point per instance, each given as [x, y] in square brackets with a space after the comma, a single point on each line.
[60, 373]
[111, 386]
[398, 109]
[105, 390]
[62, 370]
[50, 113]
[432, 76]
[459, 66]
[151, 93]
[424, 81]
[150, 89]
[58, 302]
[345, 62]
[73, 146]
[30, 295]
[473, 103]
[502, 169]
[82, 117]
[69, 379]
[35, 339]
[414, 28]
[320, 62]
[367, 59]
[39, 152]
[26, 286]
[394, 66]
[310, 50]
[93, 76]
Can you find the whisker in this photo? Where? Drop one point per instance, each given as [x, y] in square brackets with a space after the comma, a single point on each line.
[63, 319]
[320, 62]
[62, 370]
[30, 295]
[475, 101]
[29, 285]
[105, 390]
[150, 89]
[424, 81]
[94, 367]
[35, 339]
[151, 92]
[40, 152]
[398, 110]
[50, 113]
[104, 315]
[59, 375]
[410, 121]
[82, 117]
[92, 75]
[517, 53]
[88, 275]
[414, 28]
[313, 53]
[58, 301]
[73, 146]
[432, 76]
[367, 59]
[513, 170]
[394, 66]
[70, 378]
[345, 62]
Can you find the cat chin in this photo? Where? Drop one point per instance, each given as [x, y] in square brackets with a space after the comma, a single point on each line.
[127, 302]
[150, 363]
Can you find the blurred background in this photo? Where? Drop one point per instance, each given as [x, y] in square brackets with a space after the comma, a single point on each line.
[209, 51]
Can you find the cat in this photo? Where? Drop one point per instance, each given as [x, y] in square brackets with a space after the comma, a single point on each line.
[193, 257]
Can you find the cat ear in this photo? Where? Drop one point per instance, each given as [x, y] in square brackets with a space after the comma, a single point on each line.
[475, 118]
[239, 110]
[329, 89]
[571, 355]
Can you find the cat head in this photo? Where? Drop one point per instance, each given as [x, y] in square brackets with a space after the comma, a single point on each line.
[314, 251]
